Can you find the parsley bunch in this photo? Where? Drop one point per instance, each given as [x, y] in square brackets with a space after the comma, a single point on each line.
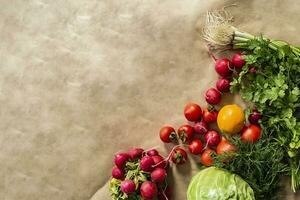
[274, 91]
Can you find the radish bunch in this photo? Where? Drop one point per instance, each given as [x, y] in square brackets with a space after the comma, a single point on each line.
[224, 68]
[140, 174]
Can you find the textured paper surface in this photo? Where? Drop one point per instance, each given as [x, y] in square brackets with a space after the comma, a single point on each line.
[81, 80]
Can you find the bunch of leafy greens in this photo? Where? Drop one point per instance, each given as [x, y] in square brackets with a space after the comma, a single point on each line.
[260, 164]
[274, 91]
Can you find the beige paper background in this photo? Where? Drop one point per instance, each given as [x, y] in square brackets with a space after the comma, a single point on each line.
[81, 80]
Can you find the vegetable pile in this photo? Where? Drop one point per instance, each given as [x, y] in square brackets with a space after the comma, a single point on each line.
[238, 145]
[270, 80]
[255, 147]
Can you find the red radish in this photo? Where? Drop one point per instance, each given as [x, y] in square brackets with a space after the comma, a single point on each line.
[192, 112]
[201, 127]
[238, 61]
[254, 117]
[252, 70]
[127, 186]
[152, 152]
[195, 146]
[117, 173]
[222, 67]
[185, 132]
[179, 156]
[209, 115]
[148, 190]
[212, 138]
[212, 96]
[158, 175]
[146, 164]
[159, 161]
[223, 85]
[121, 159]
[206, 158]
[135, 153]
[167, 134]
[251, 133]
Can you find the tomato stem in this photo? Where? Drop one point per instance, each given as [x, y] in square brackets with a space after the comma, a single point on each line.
[211, 108]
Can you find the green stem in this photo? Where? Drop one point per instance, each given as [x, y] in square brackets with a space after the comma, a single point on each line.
[243, 35]
[240, 41]
[295, 175]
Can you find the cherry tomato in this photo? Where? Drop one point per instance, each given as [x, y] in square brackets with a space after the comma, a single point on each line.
[206, 158]
[192, 112]
[195, 146]
[185, 132]
[225, 147]
[179, 156]
[251, 133]
[210, 116]
[167, 134]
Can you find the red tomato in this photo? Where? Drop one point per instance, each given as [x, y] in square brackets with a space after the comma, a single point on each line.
[185, 132]
[209, 116]
[195, 146]
[192, 112]
[206, 158]
[225, 147]
[179, 156]
[167, 134]
[251, 133]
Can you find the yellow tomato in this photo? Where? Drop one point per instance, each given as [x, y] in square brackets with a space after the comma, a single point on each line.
[231, 119]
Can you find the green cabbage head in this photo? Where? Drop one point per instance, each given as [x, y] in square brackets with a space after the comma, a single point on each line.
[218, 184]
